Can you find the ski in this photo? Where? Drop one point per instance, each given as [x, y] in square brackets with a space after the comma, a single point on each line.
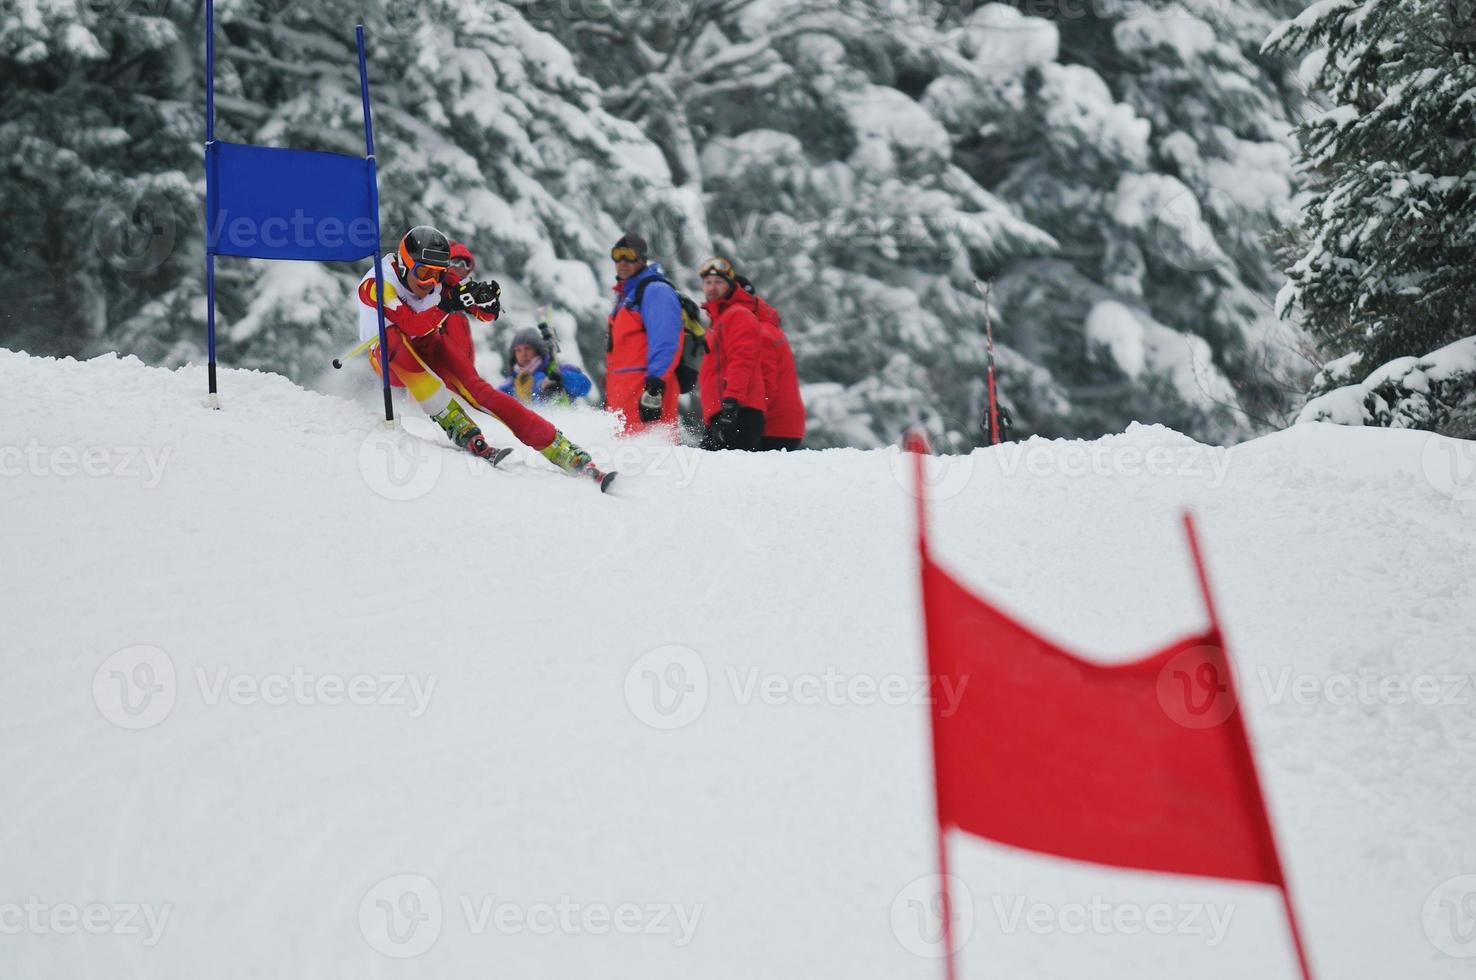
[600, 476]
[479, 447]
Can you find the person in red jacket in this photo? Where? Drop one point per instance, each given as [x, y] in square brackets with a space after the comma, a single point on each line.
[417, 299]
[457, 326]
[645, 340]
[784, 418]
[731, 383]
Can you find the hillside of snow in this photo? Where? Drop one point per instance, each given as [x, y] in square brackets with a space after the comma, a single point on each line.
[291, 695]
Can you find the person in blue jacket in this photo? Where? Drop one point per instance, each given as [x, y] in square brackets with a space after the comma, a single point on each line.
[535, 378]
[644, 345]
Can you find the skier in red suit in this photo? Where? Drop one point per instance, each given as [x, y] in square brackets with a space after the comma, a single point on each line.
[418, 299]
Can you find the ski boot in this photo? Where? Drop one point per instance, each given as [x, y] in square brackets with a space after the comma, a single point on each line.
[460, 429]
[569, 457]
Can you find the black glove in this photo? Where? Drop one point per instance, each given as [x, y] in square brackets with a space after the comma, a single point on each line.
[724, 425]
[650, 403]
[553, 383]
[455, 296]
[486, 296]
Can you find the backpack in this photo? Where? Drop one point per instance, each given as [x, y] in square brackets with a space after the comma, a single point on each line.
[762, 308]
[694, 343]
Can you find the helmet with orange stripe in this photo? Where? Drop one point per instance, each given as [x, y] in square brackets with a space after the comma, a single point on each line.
[424, 256]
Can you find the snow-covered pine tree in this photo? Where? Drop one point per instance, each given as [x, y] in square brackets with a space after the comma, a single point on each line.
[100, 131]
[838, 191]
[655, 71]
[1384, 261]
[1151, 140]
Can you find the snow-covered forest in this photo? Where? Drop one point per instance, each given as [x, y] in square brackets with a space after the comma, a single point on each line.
[1125, 171]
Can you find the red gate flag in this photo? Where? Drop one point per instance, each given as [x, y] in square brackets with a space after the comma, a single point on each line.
[1138, 765]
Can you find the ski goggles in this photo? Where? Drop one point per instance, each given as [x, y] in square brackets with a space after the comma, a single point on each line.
[427, 275]
[460, 266]
[428, 271]
[624, 253]
[719, 267]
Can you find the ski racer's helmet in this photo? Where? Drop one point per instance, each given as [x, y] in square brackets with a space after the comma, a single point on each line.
[424, 255]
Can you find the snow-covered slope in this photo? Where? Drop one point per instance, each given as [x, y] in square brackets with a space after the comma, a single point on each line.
[264, 719]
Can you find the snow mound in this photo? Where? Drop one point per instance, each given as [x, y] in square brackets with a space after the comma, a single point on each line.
[292, 695]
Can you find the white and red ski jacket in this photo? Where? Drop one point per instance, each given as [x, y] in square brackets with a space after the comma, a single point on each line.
[414, 317]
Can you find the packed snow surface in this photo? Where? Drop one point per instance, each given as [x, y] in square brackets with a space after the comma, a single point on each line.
[290, 695]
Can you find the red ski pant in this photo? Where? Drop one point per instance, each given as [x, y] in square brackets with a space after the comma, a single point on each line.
[423, 364]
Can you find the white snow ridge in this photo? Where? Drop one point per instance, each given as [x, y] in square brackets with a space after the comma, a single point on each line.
[290, 695]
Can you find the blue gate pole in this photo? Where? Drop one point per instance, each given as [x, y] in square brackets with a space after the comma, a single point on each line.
[210, 195]
[384, 366]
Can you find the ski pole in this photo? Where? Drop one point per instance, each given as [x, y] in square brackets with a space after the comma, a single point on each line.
[989, 335]
[349, 355]
[549, 337]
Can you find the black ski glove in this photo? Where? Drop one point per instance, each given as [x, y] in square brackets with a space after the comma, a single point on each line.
[553, 383]
[486, 296]
[455, 297]
[724, 425]
[650, 403]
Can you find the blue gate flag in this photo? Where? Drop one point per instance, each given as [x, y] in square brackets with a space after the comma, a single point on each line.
[266, 202]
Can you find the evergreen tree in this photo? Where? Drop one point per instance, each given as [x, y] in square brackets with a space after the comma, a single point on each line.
[1150, 139]
[99, 126]
[1383, 267]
